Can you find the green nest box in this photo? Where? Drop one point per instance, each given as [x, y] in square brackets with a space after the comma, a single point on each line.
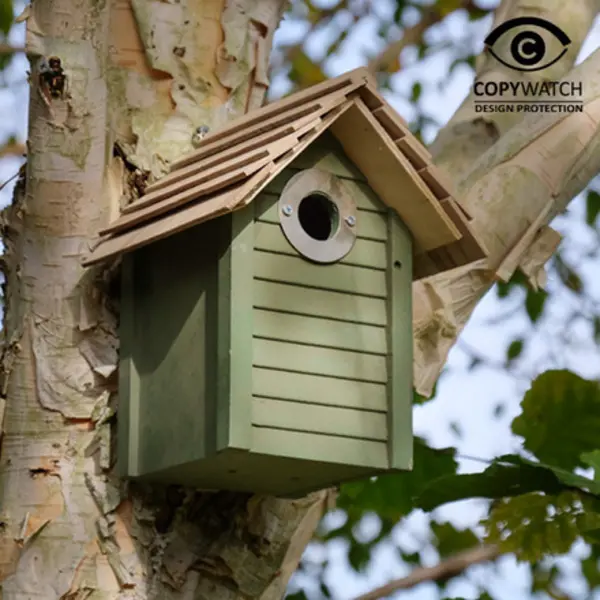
[266, 331]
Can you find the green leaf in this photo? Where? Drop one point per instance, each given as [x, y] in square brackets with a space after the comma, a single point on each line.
[567, 275]
[449, 540]
[514, 350]
[508, 476]
[299, 595]
[543, 578]
[534, 304]
[534, 525]
[560, 418]
[6, 16]
[590, 567]
[592, 205]
[593, 460]
[392, 496]
[499, 480]
[359, 555]
[417, 88]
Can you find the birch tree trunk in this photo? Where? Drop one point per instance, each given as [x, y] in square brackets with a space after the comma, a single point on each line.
[142, 77]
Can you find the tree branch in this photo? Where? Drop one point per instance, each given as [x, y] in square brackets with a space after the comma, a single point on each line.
[411, 36]
[469, 134]
[8, 49]
[443, 304]
[450, 567]
[12, 149]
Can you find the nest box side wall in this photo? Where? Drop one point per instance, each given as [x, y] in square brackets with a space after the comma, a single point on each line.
[332, 344]
[169, 350]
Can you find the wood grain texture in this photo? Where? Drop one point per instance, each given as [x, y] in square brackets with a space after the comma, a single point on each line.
[364, 253]
[321, 332]
[313, 302]
[322, 390]
[338, 87]
[393, 178]
[400, 344]
[322, 448]
[338, 277]
[319, 361]
[129, 379]
[234, 350]
[172, 342]
[310, 418]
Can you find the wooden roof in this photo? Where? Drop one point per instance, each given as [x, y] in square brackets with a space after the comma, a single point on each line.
[232, 165]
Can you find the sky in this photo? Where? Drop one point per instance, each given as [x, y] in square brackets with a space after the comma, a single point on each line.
[466, 400]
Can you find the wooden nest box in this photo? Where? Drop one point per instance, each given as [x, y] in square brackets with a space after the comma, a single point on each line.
[266, 335]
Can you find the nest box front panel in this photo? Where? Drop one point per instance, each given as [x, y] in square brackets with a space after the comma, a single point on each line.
[332, 337]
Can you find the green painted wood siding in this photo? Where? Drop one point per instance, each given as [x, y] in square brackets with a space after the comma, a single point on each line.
[320, 352]
[168, 351]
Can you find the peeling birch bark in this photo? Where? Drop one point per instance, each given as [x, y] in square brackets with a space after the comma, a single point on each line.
[466, 147]
[142, 76]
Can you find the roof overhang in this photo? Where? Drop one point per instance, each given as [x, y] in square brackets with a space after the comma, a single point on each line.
[234, 164]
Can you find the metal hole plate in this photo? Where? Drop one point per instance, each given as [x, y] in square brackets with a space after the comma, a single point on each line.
[315, 181]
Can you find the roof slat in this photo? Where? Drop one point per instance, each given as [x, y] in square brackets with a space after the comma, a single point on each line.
[306, 138]
[232, 165]
[186, 196]
[393, 178]
[173, 223]
[434, 179]
[238, 149]
[262, 127]
[415, 152]
[370, 96]
[217, 171]
[341, 86]
[392, 122]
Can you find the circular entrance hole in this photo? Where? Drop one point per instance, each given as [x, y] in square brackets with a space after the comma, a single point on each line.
[318, 216]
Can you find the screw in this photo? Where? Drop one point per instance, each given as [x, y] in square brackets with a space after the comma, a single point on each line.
[287, 210]
[351, 220]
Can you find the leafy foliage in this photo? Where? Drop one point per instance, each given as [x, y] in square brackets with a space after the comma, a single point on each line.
[560, 418]
[536, 525]
[394, 496]
[448, 540]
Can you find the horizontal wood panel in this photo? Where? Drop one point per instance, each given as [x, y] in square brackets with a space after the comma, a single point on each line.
[364, 253]
[297, 416]
[322, 390]
[364, 196]
[369, 225]
[320, 332]
[319, 303]
[320, 361]
[342, 278]
[323, 448]
[319, 156]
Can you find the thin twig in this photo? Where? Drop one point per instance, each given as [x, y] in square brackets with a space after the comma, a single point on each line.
[8, 49]
[452, 566]
[13, 149]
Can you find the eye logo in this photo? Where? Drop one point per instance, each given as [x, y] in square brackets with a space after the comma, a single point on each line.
[527, 48]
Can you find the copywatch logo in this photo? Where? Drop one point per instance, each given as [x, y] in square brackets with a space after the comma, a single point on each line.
[527, 47]
[528, 44]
